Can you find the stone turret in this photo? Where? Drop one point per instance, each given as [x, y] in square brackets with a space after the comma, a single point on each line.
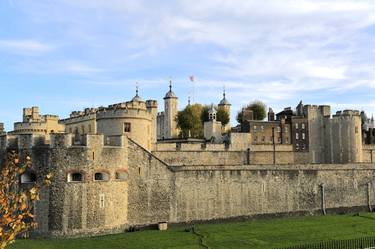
[170, 113]
[152, 108]
[212, 113]
[34, 123]
[343, 135]
[224, 103]
[31, 114]
[212, 128]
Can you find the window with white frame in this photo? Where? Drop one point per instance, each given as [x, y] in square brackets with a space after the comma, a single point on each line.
[297, 135]
[75, 177]
[101, 176]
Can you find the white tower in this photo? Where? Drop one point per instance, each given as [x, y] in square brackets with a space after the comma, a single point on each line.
[170, 112]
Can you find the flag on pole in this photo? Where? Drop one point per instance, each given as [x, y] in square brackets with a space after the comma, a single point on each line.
[191, 77]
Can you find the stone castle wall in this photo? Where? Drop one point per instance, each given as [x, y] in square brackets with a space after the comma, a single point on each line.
[218, 193]
[221, 154]
[158, 191]
[88, 207]
[368, 153]
[197, 193]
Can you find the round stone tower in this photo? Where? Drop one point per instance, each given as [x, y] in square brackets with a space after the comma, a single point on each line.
[224, 103]
[170, 110]
[135, 118]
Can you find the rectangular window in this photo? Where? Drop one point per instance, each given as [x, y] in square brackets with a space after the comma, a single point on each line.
[279, 140]
[297, 137]
[256, 139]
[356, 129]
[127, 127]
[262, 128]
[255, 128]
[286, 129]
[279, 129]
[303, 126]
[287, 140]
[296, 125]
[263, 139]
[297, 146]
[303, 136]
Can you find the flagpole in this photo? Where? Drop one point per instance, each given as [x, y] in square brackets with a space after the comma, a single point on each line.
[192, 79]
[193, 91]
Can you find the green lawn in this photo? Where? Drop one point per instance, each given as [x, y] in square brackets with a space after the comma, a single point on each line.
[265, 233]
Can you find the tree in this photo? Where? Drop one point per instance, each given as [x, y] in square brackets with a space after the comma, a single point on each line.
[239, 116]
[204, 115]
[189, 121]
[258, 108]
[16, 202]
[222, 115]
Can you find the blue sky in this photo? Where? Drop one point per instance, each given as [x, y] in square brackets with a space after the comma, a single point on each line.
[64, 55]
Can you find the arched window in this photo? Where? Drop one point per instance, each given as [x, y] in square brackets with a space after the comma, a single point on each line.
[122, 175]
[75, 177]
[101, 176]
[28, 177]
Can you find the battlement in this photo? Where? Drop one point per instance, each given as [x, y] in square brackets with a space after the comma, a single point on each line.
[26, 141]
[347, 113]
[50, 117]
[324, 110]
[151, 103]
[127, 105]
[90, 141]
[125, 110]
[85, 112]
[57, 140]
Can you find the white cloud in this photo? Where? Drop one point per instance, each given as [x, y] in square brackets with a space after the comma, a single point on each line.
[277, 50]
[24, 46]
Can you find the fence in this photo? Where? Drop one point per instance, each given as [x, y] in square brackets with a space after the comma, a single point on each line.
[360, 243]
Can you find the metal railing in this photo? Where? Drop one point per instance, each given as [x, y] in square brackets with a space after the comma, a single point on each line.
[360, 243]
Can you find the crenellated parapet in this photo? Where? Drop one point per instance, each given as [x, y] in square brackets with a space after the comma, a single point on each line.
[347, 114]
[60, 140]
[90, 141]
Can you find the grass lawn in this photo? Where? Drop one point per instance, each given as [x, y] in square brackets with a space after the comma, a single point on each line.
[262, 234]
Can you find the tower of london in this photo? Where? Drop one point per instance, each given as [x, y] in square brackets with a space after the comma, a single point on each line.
[125, 165]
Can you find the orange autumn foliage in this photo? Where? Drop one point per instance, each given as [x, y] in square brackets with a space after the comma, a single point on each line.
[16, 202]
